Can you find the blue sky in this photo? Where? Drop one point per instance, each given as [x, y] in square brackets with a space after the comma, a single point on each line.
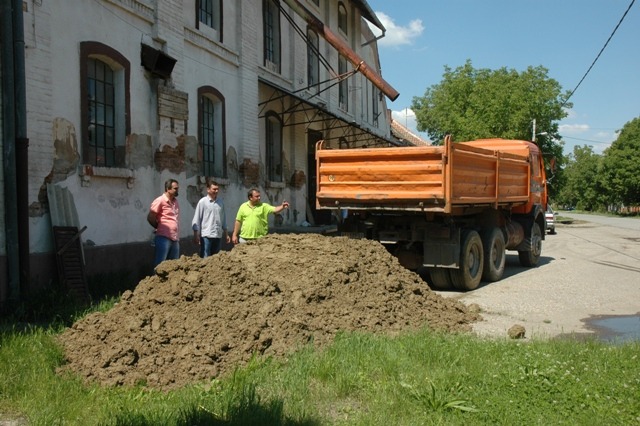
[564, 36]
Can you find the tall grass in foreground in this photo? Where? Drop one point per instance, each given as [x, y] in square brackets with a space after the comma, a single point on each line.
[417, 378]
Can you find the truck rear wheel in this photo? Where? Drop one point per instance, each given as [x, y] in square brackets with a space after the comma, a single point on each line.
[440, 279]
[531, 257]
[468, 276]
[494, 254]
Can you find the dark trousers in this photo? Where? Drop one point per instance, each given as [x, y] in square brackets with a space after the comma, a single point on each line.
[209, 246]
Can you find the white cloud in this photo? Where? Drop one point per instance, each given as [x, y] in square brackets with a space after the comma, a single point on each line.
[573, 129]
[397, 35]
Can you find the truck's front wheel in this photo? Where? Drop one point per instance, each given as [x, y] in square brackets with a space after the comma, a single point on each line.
[531, 257]
[468, 276]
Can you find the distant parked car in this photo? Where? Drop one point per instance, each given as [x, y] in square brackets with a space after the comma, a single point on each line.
[550, 218]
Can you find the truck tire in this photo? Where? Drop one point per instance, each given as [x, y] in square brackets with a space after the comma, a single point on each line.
[494, 254]
[531, 257]
[468, 276]
[440, 279]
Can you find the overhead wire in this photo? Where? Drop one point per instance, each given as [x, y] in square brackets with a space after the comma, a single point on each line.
[600, 53]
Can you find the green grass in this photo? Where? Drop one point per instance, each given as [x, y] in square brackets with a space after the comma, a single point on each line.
[417, 378]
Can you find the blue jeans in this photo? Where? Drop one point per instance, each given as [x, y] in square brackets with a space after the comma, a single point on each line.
[209, 246]
[166, 249]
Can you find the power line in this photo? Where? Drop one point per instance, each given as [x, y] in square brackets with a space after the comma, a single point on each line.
[600, 53]
[585, 140]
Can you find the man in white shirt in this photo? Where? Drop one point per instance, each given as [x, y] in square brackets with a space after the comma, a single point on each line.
[210, 222]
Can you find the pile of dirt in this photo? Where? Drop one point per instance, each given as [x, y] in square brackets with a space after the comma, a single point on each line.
[200, 318]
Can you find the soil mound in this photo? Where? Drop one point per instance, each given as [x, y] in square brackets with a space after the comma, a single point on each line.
[200, 318]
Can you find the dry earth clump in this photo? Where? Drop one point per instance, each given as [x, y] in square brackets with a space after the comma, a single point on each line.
[197, 319]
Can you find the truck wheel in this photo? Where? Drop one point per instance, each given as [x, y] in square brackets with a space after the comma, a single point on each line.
[440, 279]
[494, 255]
[531, 257]
[468, 276]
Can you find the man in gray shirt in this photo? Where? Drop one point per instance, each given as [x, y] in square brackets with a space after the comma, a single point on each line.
[210, 222]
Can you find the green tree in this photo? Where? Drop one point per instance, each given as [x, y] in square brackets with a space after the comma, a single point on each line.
[474, 103]
[621, 166]
[583, 183]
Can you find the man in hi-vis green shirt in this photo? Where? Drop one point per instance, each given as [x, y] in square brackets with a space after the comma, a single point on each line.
[252, 218]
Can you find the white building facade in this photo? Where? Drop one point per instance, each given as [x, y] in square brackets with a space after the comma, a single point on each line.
[122, 95]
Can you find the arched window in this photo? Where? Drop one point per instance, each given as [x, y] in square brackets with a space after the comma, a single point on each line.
[342, 18]
[313, 60]
[212, 130]
[104, 104]
[273, 139]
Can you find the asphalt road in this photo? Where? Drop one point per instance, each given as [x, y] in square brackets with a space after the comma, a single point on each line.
[590, 268]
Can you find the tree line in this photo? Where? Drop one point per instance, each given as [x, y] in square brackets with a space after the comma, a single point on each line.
[608, 181]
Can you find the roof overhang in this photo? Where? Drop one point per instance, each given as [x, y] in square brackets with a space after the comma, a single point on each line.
[368, 14]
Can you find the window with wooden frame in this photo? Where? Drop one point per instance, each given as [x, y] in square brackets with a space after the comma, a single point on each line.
[211, 129]
[104, 104]
[271, 35]
[273, 139]
[209, 18]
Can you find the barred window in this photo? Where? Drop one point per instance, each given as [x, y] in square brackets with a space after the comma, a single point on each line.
[273, 138]
[104, 105]
[271, 35]
[209, 13]
[211, 123]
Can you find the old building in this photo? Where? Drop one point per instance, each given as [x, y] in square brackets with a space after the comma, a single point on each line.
[121, 95]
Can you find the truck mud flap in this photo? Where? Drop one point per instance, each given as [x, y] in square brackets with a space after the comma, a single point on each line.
[442, 247]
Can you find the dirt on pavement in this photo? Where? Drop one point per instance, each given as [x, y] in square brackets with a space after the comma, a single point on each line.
[197, 319]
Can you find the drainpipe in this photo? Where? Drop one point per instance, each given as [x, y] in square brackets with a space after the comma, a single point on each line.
[22, 142]
[9, 155]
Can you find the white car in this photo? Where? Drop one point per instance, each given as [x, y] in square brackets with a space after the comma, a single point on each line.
[550, 218]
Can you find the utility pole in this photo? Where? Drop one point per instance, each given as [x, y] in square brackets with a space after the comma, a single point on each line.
[533, 131]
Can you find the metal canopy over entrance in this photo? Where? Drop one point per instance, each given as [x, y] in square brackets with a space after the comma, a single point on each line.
[297, 111]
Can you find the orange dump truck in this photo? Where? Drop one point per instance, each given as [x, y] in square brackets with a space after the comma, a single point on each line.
[450, 210]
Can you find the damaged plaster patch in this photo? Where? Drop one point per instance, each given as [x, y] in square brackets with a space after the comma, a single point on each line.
[171, 158]
[66, 159]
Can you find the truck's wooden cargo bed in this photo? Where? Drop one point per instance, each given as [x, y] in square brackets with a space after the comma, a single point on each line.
[429, 178]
